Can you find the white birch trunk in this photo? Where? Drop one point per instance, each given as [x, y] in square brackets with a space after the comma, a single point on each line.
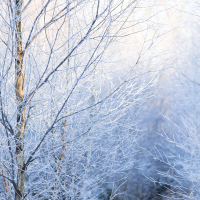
[19, 91]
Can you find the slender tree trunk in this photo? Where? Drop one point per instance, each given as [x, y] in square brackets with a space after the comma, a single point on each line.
[63, 139]
[19, 91]
[67, 77]
[5, 182]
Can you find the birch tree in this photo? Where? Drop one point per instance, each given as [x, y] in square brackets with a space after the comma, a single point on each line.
[57, 141]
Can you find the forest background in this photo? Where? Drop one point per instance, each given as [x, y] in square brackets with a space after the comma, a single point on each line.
[99, 99]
